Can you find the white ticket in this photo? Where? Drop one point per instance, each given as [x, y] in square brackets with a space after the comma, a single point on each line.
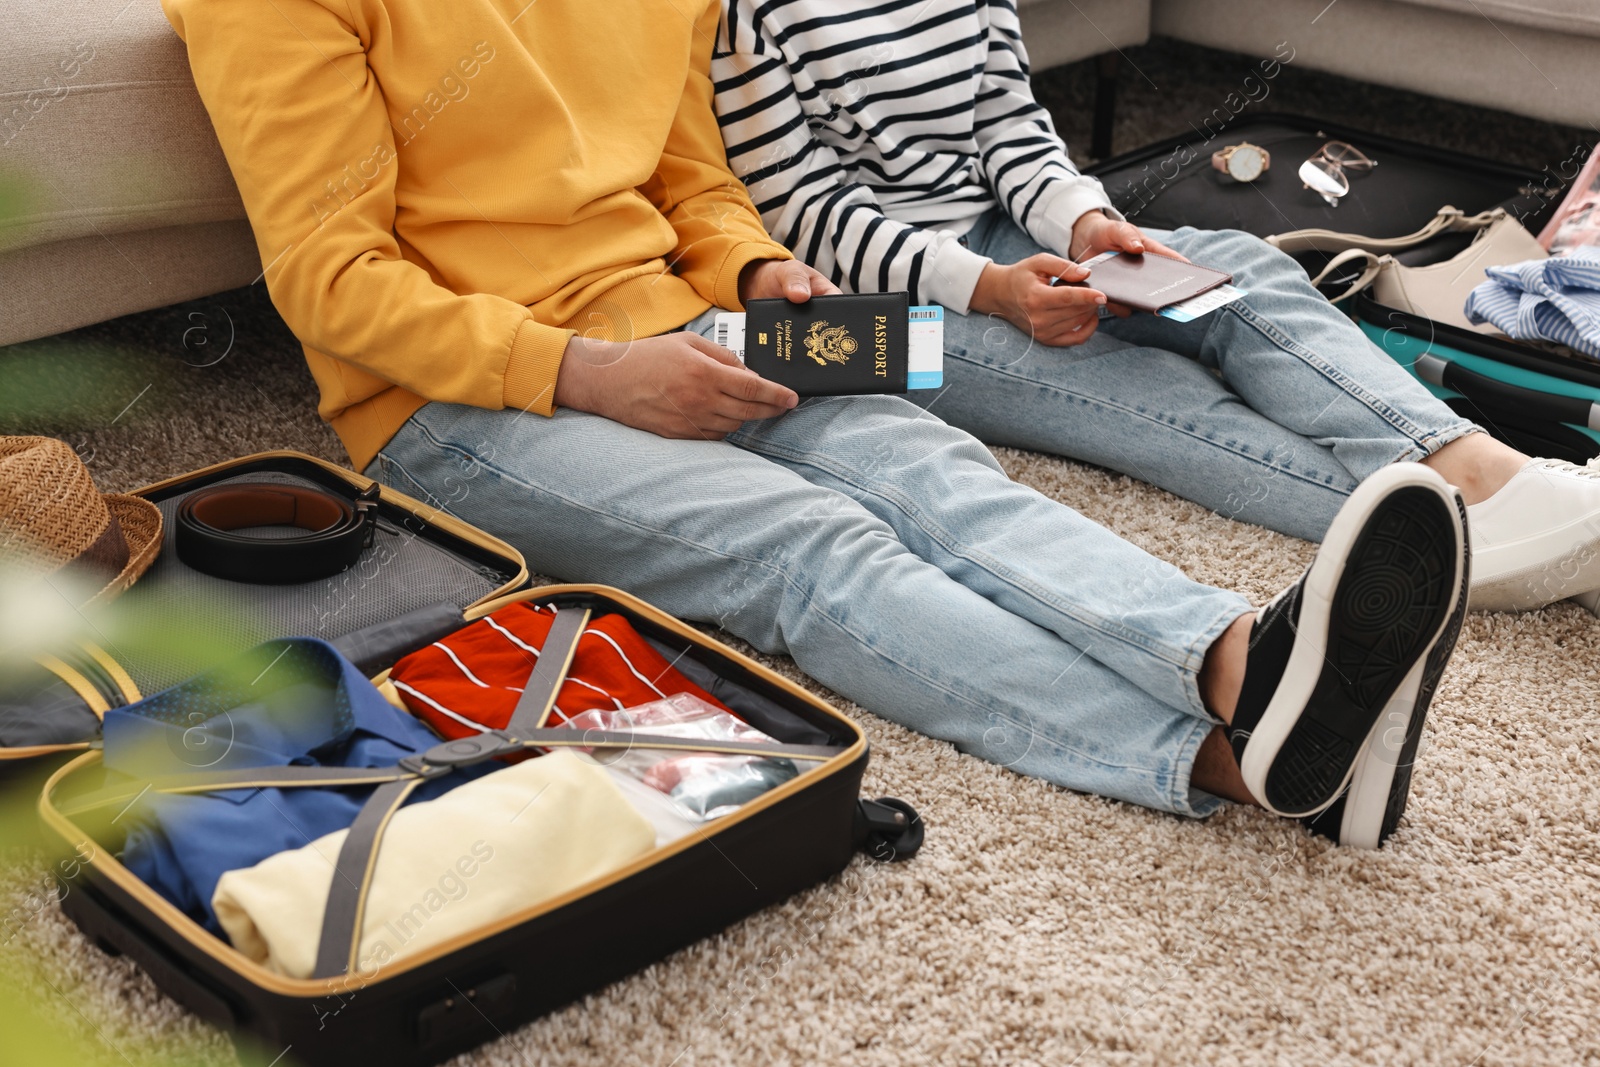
[1207, 302]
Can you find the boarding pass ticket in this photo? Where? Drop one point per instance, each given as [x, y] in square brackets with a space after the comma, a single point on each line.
[924, 338]
[1207, 302]
[1196, 306]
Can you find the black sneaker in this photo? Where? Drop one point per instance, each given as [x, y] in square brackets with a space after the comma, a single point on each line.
[1327, 654]
[1380, 784]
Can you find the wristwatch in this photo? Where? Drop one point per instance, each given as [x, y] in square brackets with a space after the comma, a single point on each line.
[1243, 162]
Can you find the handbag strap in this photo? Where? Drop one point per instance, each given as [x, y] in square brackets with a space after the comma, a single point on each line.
[1374, 265]
[1448, 220]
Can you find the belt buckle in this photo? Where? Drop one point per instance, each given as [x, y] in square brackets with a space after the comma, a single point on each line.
[366, 505]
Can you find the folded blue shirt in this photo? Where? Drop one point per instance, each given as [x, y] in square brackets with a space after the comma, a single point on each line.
[293, 701]
[1556, 299]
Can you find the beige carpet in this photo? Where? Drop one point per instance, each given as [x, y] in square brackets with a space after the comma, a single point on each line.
[1043, 927]
[1037, 927]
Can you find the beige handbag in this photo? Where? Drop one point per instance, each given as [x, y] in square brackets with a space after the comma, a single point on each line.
[1437, 291]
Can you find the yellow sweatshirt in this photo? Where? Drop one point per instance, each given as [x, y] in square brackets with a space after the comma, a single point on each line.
[444, 191]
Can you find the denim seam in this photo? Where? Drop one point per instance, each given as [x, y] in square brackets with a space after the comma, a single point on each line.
[417, 489]
[1334, 375]
[1083, 398]
[1158, 774]
[940, 535]
[1183, 773]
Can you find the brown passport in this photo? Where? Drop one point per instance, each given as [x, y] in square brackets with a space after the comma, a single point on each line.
[1149, 282]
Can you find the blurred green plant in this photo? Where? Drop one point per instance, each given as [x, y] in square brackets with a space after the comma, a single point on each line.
[56, 385]
[52, 385]
[42, 1023]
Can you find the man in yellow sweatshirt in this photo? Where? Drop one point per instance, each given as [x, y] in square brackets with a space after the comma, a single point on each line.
[501, 229]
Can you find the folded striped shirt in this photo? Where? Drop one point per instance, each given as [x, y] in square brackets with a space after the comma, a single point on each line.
[1556, 299]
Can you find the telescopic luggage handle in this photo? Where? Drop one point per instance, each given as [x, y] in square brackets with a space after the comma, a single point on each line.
[1512, 400]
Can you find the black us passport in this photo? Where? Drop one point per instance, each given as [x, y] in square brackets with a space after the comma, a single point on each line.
[831, 345]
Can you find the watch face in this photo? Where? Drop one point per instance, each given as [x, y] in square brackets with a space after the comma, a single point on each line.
[1244, 163]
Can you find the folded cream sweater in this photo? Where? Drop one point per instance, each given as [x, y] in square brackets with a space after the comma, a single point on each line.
[494, 846]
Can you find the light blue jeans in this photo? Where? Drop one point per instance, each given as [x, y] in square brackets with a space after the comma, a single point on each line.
[884, 550]
[1270, 410]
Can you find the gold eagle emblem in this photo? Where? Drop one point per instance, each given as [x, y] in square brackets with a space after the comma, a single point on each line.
[827, 344]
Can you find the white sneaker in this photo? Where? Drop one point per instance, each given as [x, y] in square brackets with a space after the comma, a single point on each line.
[1537, 540]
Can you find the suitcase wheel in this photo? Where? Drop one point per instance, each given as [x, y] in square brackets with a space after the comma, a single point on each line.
[888, 829]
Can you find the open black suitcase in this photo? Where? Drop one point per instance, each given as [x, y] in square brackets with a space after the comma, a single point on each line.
[1540, 401]
[176, 620]
[424, 1008]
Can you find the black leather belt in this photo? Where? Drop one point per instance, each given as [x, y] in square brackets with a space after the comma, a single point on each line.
[337, 531]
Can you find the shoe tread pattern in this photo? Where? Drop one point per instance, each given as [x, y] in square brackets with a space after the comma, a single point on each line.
[1389, 603]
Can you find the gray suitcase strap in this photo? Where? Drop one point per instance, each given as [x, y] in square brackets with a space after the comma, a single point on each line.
[344, 917]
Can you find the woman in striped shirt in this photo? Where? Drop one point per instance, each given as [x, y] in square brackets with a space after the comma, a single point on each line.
[896, 145]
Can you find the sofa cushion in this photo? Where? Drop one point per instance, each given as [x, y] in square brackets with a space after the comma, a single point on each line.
[1563, 16]
[1064, 31]
[101, 130]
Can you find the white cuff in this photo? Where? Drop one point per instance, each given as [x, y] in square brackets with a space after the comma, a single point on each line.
[1063, 205]
[951, 274]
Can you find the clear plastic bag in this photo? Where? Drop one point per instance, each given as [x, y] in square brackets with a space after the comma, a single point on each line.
[705, 785]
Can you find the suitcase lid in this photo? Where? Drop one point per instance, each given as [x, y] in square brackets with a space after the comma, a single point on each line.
[176, 621]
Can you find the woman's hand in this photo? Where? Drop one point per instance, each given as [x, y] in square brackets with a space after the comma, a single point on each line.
[1097, 232]
[1023, 294]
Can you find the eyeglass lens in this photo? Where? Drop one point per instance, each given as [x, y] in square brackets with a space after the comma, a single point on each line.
[1325, 177]
[1346, 155]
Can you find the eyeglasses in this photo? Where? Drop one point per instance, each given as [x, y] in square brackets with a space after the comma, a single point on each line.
[1325, 172]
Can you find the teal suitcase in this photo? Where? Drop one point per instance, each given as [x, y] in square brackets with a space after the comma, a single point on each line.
[1540, 402]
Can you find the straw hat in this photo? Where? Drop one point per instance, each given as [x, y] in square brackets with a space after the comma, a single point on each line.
[53, 520]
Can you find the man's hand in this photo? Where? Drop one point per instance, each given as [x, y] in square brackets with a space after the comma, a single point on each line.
[788, 278]
[1022, 293]
[1097, 232]
[676, 385]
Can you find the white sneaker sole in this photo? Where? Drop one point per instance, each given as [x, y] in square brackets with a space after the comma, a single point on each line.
[1372, 778]
[1566, 563]
[1380, 624]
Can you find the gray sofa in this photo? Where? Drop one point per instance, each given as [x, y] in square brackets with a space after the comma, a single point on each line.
[115, 198]
[1539, 58]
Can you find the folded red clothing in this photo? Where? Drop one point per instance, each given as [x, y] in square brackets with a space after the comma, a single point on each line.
[474, 677]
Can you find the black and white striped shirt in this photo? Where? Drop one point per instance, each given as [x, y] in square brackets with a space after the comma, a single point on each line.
[873, 135]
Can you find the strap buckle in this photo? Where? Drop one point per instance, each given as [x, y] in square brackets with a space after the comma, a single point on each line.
[366, 505]
[443, 758]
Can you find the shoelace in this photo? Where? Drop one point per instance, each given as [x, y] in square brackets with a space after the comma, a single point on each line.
[1590, 469]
